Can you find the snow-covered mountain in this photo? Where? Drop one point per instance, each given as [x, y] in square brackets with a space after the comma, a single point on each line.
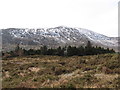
[58, 36]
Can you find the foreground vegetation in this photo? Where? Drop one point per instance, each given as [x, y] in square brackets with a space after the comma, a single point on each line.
[42, 71]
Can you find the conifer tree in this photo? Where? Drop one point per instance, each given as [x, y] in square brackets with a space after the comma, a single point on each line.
[81, 51]
[44, 50]
[88, 48]
[69, 51]
[60, 51]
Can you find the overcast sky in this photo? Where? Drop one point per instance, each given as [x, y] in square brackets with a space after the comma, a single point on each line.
[97, 15]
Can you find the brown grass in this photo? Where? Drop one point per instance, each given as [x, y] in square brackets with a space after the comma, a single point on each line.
[61, 72]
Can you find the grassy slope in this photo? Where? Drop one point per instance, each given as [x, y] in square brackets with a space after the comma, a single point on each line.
[54, 71]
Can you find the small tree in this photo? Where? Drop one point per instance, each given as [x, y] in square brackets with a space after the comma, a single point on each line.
[44, 50]
[60, 51]
[51, 51]
[69, 51]
[81, 51]
[18, 51]
[88, 48]
[17, 47]
[89, 45]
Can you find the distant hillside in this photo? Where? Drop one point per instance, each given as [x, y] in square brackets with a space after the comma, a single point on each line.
[54, 37]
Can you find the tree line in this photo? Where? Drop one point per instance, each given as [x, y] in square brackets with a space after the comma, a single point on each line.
[63, 51]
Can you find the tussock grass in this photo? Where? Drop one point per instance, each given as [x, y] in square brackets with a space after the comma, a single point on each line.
[38, 71]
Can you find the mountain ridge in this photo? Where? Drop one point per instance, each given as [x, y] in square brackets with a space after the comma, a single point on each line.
[57, 36]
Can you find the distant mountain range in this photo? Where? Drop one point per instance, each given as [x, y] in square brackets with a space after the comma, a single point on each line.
[54, 37]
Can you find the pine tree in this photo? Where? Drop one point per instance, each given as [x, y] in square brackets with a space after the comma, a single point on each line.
[88, 48]
[69, 51]
[60, 51]
[17, 47]
[44, 50]
[31, 52]
[51, 51]
[89, 45]
[81, 51]
[18, 51]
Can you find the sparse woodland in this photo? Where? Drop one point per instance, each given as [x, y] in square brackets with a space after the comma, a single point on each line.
[60, 51]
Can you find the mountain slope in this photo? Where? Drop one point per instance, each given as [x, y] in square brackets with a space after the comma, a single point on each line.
[58, 36]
